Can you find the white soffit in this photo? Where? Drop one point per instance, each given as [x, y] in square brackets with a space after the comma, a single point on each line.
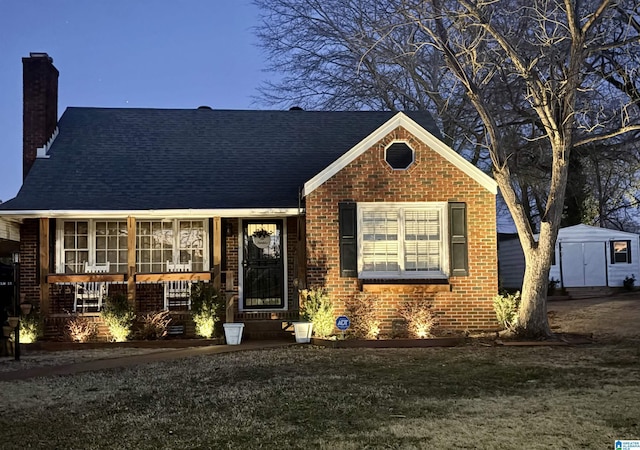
[401, 120]
[154, 213]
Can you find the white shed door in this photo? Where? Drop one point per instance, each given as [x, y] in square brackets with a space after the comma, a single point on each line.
[584, 264]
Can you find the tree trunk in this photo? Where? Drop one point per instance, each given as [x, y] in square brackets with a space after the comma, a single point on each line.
[532, 318]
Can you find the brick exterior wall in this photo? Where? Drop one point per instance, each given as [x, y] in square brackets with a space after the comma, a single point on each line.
[230, 253]
[431, 178]
[292, 242]
[29, 263]
[149, 297]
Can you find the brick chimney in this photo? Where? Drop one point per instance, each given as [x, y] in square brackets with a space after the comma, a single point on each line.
[40, 105]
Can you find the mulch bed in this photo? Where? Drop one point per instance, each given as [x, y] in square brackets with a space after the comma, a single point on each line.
[389, 343]
[559, 339]
[54, 346]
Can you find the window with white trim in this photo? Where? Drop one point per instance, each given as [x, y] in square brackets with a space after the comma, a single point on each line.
[111, 244]
[620, 252]
[191, 243]
[93, 242]
[177, 241]
[399, 156]
[402, 240]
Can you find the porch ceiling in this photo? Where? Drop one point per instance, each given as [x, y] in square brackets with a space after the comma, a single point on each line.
[7, 247]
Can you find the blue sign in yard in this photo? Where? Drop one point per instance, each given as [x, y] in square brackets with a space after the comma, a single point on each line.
[343, 323]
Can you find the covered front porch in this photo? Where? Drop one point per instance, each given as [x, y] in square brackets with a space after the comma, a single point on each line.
[260, 285]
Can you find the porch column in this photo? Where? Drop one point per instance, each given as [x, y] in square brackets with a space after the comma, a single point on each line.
[216, 257]
[44, 264]
[131, 261]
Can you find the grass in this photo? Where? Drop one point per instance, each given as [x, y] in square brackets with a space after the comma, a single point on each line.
[307, 397]
[34, 358]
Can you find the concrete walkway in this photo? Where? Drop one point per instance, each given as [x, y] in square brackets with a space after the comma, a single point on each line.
[134, 360]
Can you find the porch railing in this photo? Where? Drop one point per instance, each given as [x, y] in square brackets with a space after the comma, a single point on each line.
[227, 277]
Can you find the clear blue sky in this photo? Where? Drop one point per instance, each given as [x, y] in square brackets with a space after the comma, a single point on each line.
[126, 53]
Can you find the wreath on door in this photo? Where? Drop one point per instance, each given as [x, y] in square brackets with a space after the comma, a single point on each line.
[261, 238]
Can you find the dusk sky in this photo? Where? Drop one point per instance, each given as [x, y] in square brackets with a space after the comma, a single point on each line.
[127, 53]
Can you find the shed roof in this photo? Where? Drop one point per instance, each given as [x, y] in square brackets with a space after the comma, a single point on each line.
[583, 233]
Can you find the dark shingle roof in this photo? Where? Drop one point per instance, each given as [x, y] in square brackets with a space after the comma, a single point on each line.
[139, 159]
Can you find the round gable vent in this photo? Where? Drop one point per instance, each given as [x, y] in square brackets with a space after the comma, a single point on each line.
[399, 156]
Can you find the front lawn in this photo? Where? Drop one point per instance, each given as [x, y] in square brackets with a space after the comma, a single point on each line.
[308, 397]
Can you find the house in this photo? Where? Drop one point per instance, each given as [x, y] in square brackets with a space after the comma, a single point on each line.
[355, 202]
[585, 256]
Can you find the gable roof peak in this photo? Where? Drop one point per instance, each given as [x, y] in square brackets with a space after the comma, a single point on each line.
[400, 119]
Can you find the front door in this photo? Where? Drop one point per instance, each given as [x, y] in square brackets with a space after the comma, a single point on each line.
[583, 264]
[262, 265]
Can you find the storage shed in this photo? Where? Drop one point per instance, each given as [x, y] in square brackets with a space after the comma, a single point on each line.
[585, 256]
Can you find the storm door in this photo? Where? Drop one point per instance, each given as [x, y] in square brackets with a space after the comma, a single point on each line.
[262, 265]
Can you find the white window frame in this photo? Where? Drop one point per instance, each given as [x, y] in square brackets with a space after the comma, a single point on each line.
[176, 240]
[91, 230]
[91, 244]
[413, 154]
[626, 252]
[400, 208]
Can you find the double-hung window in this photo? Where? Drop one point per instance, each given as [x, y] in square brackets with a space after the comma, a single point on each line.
[93, 242]
[402, 240]
[97, 242]
[620, 252]
[176, 241]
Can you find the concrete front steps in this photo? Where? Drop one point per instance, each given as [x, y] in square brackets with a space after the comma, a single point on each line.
[267, 329]
[267, 325]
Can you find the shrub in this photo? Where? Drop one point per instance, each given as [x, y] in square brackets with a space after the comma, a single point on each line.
[316, 307]
[419, 317]
[208, 307]
[31, 328]
[154, 325]
[552, 286]
[506, 307]
[118, 315]
[81, 329]
[361, 310]
[629, 282]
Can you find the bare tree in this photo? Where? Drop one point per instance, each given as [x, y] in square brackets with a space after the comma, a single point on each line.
[614, 186]
[522, 81]
[330, 55]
